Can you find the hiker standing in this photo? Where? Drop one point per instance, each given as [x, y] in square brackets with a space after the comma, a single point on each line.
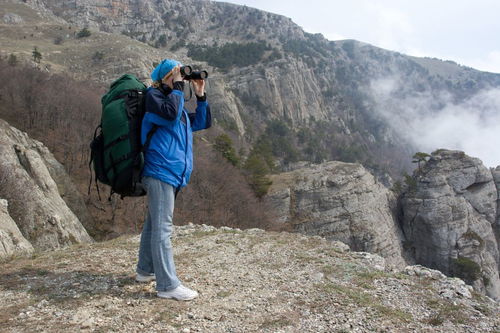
[168, 166]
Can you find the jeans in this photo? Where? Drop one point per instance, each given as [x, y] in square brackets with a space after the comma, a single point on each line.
[155, 252]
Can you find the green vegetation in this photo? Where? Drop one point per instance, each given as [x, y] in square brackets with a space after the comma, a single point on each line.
[37, 56]
[397, 187]
[362, 298]
[410, 182]
[98, 56]
[446, 312]
[258, 169]
[348, 47]
[276, 323]
[176, 46]
[12, 60]
[83, 33]
[281, 140]
[420, 157]
[224, 145]
[471, 235]
[230, 54]
[309, 49]
[162, 41]
[466, 269]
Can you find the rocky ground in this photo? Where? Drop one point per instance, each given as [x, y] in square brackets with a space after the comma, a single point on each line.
[249, 281]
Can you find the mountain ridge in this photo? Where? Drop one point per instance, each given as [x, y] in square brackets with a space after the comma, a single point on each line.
[333, 77]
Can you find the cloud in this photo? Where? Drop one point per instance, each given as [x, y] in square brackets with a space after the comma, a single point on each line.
[391, 28]
[432, 121]
[490, 63]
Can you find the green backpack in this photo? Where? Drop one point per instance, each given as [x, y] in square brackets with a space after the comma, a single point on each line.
[116, 151]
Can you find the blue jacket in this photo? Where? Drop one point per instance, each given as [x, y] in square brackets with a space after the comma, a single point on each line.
[169, 156]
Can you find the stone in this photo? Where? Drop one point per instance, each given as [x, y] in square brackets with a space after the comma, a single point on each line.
[449, 216]
[340, 201]
[11, 240]
[35, 203]
[11, 18]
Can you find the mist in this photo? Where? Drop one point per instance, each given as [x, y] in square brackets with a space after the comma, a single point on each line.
[431, 120]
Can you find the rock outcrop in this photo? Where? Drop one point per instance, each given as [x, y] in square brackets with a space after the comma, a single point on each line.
[340, 201]
[496, 227]
[250, 281]
[11, 240]
[449, 213]
[35, 203]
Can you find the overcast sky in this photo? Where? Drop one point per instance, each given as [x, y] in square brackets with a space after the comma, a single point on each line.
[465, 31]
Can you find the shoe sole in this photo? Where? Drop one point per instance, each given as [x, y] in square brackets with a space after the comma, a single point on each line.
[177, 299]
[147, 279]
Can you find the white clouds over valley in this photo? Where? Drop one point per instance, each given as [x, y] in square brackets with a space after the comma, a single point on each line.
[434, 122]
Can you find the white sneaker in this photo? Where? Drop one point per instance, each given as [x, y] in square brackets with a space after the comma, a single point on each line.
[145, 278]
[180, 293]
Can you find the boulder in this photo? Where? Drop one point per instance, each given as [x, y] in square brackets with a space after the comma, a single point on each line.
[11, 240]
[35, 203]
[449, 212]
[340, 201]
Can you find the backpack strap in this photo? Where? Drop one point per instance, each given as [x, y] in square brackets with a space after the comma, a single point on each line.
[136, 173]
[149, 136]
[90, 168]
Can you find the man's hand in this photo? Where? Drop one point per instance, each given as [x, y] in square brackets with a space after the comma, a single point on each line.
[199, 87]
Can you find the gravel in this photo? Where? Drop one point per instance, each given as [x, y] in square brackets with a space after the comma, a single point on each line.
[248, 280]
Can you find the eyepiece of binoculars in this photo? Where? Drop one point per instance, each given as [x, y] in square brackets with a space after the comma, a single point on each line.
[188, 73]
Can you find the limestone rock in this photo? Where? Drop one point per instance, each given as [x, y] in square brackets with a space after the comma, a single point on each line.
[339, 201]
[11, 239]
[11, 18]
[448, 218]
[496, 226]
[35, 203]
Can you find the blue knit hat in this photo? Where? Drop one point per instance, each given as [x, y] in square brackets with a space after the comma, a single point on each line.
[163, 69]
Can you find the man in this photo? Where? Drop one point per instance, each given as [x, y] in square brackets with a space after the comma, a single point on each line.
[168, 166]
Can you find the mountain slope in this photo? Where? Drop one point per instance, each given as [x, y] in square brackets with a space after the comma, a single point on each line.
[333, 96]
[249, 281]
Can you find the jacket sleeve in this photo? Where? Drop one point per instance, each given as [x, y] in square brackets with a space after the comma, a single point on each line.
[168, 107]
[202, 118]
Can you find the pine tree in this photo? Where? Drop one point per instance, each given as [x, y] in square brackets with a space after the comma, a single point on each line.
[420, 157]
[37, 56]
[224, 144]
[12, 60]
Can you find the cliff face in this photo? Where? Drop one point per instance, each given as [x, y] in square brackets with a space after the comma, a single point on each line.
[447, 220]
[450, 214]
[496, 178]
[32, 200]
[340, 201]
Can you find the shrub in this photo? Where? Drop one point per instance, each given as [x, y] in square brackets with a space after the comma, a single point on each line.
[258, 170]
[466, 269]
[58, 40]
[178, 45]
[224, 145]
[83, 33]
[410, 182]
[37, 56]
[161, 42]
[230, 54]
[98, 56]
[12, 60]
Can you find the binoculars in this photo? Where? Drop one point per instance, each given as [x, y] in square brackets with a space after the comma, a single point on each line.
[188, 73]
